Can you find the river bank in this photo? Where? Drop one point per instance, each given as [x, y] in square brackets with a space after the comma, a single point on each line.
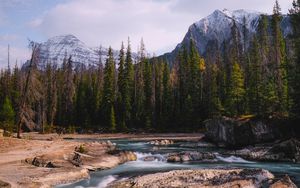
[46, 160]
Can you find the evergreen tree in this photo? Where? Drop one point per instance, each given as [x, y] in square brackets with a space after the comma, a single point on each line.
[122, 87]
[295, 20]
[236, 91]
[7, 115]
[280, 62]
[128, 86]
[148, 95]
[108, 100]
[255, 86]
[166, 95]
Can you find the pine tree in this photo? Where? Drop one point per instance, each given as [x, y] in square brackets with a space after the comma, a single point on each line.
[280, 61]
[128, 86]
[108, 100]
[236, 91]
[122, 87]
[255, 86]
[7, 115]
[166, 95]
[295, 20]
[148, 95]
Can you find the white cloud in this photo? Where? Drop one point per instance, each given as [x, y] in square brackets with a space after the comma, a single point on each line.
[35, 23]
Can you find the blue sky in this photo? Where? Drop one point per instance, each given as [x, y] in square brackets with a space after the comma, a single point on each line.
[162, 23]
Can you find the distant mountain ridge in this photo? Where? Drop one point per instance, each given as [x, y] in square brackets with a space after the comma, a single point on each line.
[57, 48]
[217, 28]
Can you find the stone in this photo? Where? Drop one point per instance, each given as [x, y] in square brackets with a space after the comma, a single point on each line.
[238, 133]
[4, 184]
[285, 182]
[164, 142]
[208, 178]
[190, 156]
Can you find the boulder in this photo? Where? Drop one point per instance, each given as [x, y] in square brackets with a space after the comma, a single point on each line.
[285, 182]
[161, 142]
[237, 133]
[286, 151]
[4, 184]
[208, 178]
[151, 158]
[191, 156]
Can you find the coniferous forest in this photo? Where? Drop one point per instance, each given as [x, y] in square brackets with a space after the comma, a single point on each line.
[237, 79]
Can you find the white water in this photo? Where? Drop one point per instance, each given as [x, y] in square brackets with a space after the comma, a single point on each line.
[158, 157]
[106, 180]
[103, 178]
[232, 159]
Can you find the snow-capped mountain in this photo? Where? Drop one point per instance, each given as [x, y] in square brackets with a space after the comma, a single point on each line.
[217, 28]
[57, 48]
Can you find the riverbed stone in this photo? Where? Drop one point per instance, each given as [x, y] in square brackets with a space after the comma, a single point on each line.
[164, 142]
[190, 156]
[4, 184]
[285, 182]
[199, 178]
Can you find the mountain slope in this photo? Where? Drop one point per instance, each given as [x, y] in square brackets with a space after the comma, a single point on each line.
[216, 28]
[57, 48]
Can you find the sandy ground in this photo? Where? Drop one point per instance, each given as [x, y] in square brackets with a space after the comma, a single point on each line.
[13, 152]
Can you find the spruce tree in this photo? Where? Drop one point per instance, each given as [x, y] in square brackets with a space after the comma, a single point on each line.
[108, 100]
[7, 115]
[280, 61]
[128, 86]
[236, 91]
[295, 21]
[122, 87]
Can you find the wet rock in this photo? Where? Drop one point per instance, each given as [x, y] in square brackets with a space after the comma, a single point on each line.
[151, 158]
[127, 156]
[4, 184]
[161, 142]
[190, 156]
[286, 151]
[237, 133]
[199, 178]
[285, 182]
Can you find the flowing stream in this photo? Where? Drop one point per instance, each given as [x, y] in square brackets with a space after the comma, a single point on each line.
[101, 179]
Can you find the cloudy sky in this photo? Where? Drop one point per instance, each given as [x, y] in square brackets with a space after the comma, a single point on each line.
[161, 23]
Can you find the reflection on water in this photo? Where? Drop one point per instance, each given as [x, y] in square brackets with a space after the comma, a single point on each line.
[101, 179]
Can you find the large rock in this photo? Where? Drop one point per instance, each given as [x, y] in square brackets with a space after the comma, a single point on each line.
[237, 133]
[191, 156]
[161, 142]
[199, 178]
[4, 184]
[286, 151]
[285, 182]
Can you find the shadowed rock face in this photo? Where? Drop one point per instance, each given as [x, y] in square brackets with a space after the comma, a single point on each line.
[200, 178]
[4, 184]
[238, 133]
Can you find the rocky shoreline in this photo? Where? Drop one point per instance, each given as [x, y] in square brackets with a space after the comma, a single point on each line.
[49, 163]
[209, 178]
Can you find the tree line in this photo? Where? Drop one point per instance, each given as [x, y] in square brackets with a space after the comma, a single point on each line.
[249, 74]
